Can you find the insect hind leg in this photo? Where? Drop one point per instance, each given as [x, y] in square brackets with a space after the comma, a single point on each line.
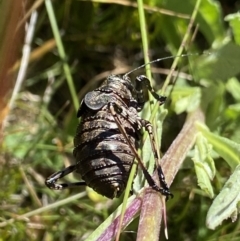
[149, 129]
[51, 181]
[115, 109]
[143, 82]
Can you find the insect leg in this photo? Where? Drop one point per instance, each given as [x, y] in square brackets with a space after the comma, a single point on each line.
[142, 82]
[149, 128]
[51, 181]
[115, 109]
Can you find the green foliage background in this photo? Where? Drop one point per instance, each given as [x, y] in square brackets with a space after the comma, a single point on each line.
[99, 38]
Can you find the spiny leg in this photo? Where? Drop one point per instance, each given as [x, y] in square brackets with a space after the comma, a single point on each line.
[114, 109]
[149, 128]
[142, 82]
[51, 181]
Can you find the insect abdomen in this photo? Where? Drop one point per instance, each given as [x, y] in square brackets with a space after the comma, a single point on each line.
[103, 156]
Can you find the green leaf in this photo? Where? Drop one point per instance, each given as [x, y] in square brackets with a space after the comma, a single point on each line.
[226, 204]
[186, 98]
[222, 63]
[213, 102]
[233, 87]
[233, 111]
[204, 164]
[210, 19]
[227, 149]
[234, 21]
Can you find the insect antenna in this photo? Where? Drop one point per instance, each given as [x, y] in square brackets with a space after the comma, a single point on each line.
[158, 60]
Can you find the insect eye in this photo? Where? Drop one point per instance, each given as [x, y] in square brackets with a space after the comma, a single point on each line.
[127, 82]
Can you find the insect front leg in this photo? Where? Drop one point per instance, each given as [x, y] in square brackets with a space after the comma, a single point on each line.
[51, 181]
[115, 110]
[142, 83]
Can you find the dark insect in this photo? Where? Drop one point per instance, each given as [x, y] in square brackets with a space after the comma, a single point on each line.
[108, 136]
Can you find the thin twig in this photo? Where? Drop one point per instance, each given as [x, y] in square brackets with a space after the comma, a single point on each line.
[24, 61]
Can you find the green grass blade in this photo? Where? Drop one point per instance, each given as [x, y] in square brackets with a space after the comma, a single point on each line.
[62, 53]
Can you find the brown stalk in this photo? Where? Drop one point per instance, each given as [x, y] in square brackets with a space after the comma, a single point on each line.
[151, 216]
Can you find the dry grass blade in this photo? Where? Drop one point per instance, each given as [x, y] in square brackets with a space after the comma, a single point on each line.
[146, 7]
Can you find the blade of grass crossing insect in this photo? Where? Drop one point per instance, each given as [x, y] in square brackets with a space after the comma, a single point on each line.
[125, 198]
[152, 231]
[145, 45]
[142, 22]
[148, 73]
